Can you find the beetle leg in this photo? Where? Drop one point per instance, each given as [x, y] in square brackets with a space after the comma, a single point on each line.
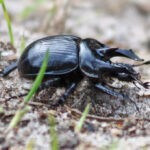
[111, 69]
[68, 91]
[119, 68]
[109, 91]
[115, 94]
[9, 69]
[52, 82]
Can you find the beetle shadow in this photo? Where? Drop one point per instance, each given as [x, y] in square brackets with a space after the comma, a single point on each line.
[103, 104]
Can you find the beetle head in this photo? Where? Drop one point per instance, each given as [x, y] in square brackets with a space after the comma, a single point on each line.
[128, 76]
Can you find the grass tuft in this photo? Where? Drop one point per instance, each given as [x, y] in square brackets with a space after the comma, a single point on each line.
[53, 135]
[7, 18]
[25, 108]
[82, 119]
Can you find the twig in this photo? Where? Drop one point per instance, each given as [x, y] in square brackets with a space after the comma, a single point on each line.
[102, 119]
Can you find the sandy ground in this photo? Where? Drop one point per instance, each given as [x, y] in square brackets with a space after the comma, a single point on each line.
[123, 24]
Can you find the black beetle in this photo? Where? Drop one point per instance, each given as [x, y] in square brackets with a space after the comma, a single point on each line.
[72, 58]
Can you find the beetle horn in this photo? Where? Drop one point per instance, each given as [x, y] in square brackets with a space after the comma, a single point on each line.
[141, 64]
[113, 52]
[129, 54]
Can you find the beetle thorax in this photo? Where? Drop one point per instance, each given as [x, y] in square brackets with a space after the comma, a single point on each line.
[87, 60]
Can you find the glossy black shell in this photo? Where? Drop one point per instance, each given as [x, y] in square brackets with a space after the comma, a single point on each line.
[63, 52]
[71, 54]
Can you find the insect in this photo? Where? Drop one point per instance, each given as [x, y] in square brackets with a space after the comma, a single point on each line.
[72, 58]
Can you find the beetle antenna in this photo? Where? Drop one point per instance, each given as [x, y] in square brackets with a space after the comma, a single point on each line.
[146, 85]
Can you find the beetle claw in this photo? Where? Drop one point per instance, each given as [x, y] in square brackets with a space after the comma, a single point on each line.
[146, 85]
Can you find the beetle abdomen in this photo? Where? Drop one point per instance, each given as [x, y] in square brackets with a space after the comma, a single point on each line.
[63, 56]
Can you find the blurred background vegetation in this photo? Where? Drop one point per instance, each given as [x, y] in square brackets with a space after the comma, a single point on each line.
[125, 22]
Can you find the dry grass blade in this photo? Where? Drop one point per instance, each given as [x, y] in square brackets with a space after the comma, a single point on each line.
[22, 45]
[76, 112]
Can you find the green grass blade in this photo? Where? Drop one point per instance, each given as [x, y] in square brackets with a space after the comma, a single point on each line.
[53, 135]
[1, 110]
[30, 145]
[18, 116]
[38, 79]
[82, 119]
[22, 45]
[113, 145]
[8, 21]
[27, 11]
